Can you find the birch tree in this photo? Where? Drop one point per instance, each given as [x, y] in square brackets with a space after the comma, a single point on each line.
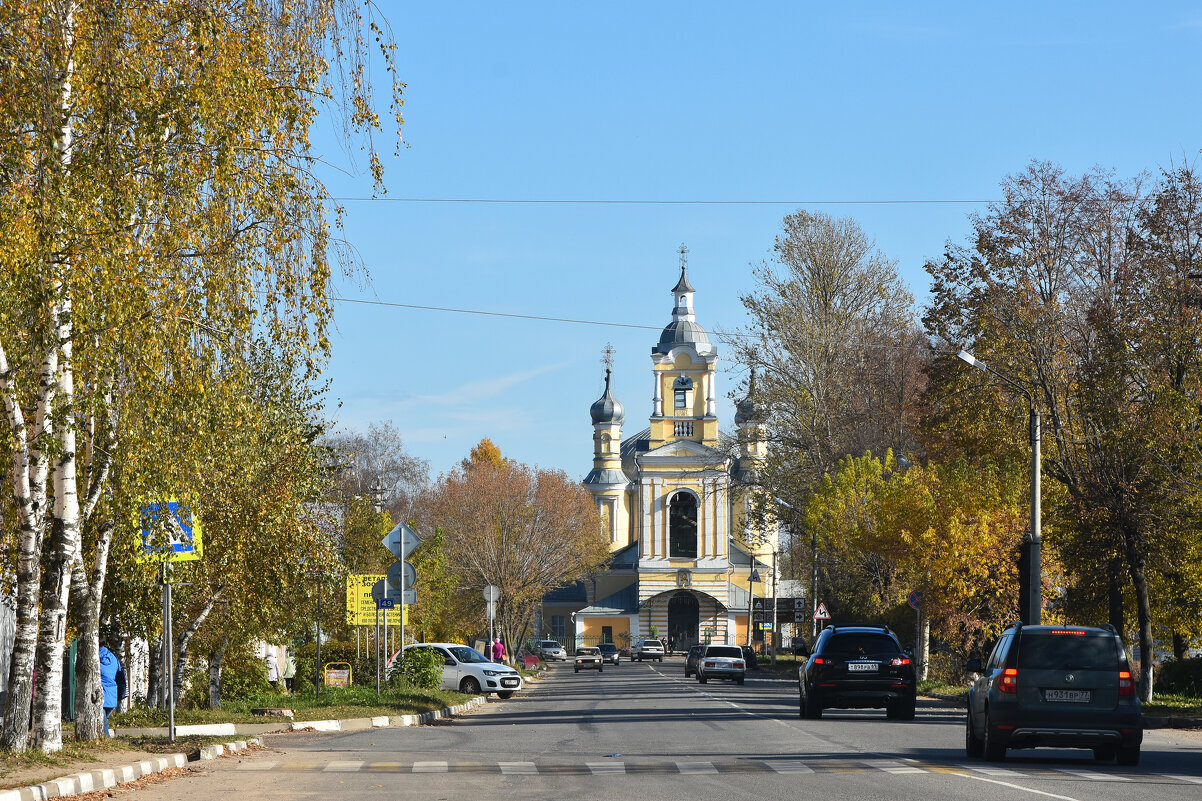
[157, 201]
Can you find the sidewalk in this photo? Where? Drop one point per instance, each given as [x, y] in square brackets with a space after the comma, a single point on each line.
[110, 775]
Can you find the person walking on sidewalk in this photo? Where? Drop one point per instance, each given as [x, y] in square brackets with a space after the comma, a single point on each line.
[289, 670]
[112, 681]
[498, 651]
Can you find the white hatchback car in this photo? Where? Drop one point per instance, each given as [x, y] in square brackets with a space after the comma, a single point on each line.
[468, 671]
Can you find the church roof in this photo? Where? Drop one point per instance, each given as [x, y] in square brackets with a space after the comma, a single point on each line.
[683, 332]
[606, 409]
[683, 284]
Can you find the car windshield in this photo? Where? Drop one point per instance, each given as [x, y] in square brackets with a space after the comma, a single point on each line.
[468, 655]
[1038, 651]
[724, 650]
[587, 651]
[853, 645]
[549, 644]
[607, 648]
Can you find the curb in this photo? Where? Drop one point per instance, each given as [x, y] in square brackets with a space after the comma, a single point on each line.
[347, 724]
[104, 778]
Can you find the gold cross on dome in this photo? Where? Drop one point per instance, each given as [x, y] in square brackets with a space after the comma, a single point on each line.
[607, 356]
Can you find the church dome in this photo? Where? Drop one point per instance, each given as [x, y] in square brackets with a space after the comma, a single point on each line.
[606, 409]
[682, 332]
[748, 411]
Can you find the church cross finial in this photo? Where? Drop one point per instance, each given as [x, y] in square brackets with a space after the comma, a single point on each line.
[684, 257]
[607, 356]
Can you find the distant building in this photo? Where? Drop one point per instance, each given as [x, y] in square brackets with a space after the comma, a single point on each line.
[673, 506]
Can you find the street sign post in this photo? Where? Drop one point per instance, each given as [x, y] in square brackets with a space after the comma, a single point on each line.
[402, 541]
[492, 593]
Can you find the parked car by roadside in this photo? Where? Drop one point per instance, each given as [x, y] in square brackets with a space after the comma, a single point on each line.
[857, 667]
[1055, 686]
[549, 650]
[469, 671]
[721, 662]
[690, 659]
[609, 653]
[648, 649]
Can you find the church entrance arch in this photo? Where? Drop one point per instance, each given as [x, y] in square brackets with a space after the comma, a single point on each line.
[684, 616]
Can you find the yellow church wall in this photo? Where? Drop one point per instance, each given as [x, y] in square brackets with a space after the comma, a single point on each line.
[593, 628]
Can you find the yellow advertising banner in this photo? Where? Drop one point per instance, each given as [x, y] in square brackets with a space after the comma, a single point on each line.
[361, 607]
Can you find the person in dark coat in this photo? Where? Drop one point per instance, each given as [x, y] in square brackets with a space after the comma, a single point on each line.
[112, 681]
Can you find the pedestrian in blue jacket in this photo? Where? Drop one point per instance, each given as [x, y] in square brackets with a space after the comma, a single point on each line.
[112, 680]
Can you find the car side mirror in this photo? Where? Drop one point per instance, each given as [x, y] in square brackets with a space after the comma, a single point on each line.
[974, 666]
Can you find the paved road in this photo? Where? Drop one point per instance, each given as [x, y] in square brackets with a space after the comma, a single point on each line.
[641, 731]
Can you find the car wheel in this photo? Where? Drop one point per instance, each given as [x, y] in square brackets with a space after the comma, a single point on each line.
[505, 694]
[974, 746]
[992, 750]
[470, 686]
[701, 679]
[739, 681]
[1128, 755]
[813, 707]
[577, 670]
[1105, 753]
[600, 670]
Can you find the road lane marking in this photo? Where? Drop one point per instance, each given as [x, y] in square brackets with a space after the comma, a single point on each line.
[1093, 775]
[790, 767]
[257, 765]
[603, 768]
[696, 767]
[348, 766]
[1180, 778]
[891, 766]
[1013, 786]
[518, 768]
[996, 772]
[429, 767]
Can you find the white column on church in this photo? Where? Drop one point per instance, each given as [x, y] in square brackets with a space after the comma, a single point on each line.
[657, 397]
[711, 401]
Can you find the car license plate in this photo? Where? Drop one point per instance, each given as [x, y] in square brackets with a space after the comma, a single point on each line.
[1068, 696]
[509, 682]
[861, 667]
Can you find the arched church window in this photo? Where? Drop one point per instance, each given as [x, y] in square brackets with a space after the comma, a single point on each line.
[682, 388]
[682, 526]
[605, 443]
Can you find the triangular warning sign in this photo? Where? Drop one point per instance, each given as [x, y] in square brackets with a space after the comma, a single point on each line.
[757, 605]
[821, 614]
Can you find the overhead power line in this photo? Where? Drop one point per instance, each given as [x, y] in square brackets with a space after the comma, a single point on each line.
[638, 202]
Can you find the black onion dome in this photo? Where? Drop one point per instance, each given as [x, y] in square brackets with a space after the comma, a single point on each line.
[606, 409]
[748, 410]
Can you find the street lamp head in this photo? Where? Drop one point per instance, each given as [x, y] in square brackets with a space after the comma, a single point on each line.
[971, 360]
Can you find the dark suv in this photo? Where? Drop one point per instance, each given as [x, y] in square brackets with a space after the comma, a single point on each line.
[857, 667]
[1059, 686]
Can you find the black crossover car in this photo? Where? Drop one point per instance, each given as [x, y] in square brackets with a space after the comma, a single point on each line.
[1060, 686]
[856, 667]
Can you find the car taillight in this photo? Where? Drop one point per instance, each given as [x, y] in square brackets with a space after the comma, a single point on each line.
[1009, 681]
[739, 663]
[898, 661]
[1126, 683]
[820, 661]
[711, 664]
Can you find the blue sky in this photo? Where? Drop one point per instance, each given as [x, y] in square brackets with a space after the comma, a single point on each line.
[696, 101]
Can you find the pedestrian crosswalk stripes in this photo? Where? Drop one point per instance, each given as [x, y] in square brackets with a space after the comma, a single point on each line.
[782, 765]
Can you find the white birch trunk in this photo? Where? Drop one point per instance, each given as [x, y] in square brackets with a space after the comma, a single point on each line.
[86, 595]
[181, 645]
[64, 532]
[924, 647]
[28, 474]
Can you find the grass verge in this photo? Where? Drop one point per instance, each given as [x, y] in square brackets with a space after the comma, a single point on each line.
[335, 702]
[1180, 706]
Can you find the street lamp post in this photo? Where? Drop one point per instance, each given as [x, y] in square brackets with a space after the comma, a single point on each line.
[1030, 579]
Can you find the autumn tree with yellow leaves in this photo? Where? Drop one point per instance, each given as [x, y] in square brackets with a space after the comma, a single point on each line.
[158, 205]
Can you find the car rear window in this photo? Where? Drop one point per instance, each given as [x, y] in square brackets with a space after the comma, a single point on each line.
[723, 650]
[1067, 651]
[860, 645]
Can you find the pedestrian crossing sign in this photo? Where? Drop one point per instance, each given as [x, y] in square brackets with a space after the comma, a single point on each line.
[170, 532]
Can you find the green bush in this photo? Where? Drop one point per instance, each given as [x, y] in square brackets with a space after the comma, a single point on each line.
[418, 669]
[1180, 678]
